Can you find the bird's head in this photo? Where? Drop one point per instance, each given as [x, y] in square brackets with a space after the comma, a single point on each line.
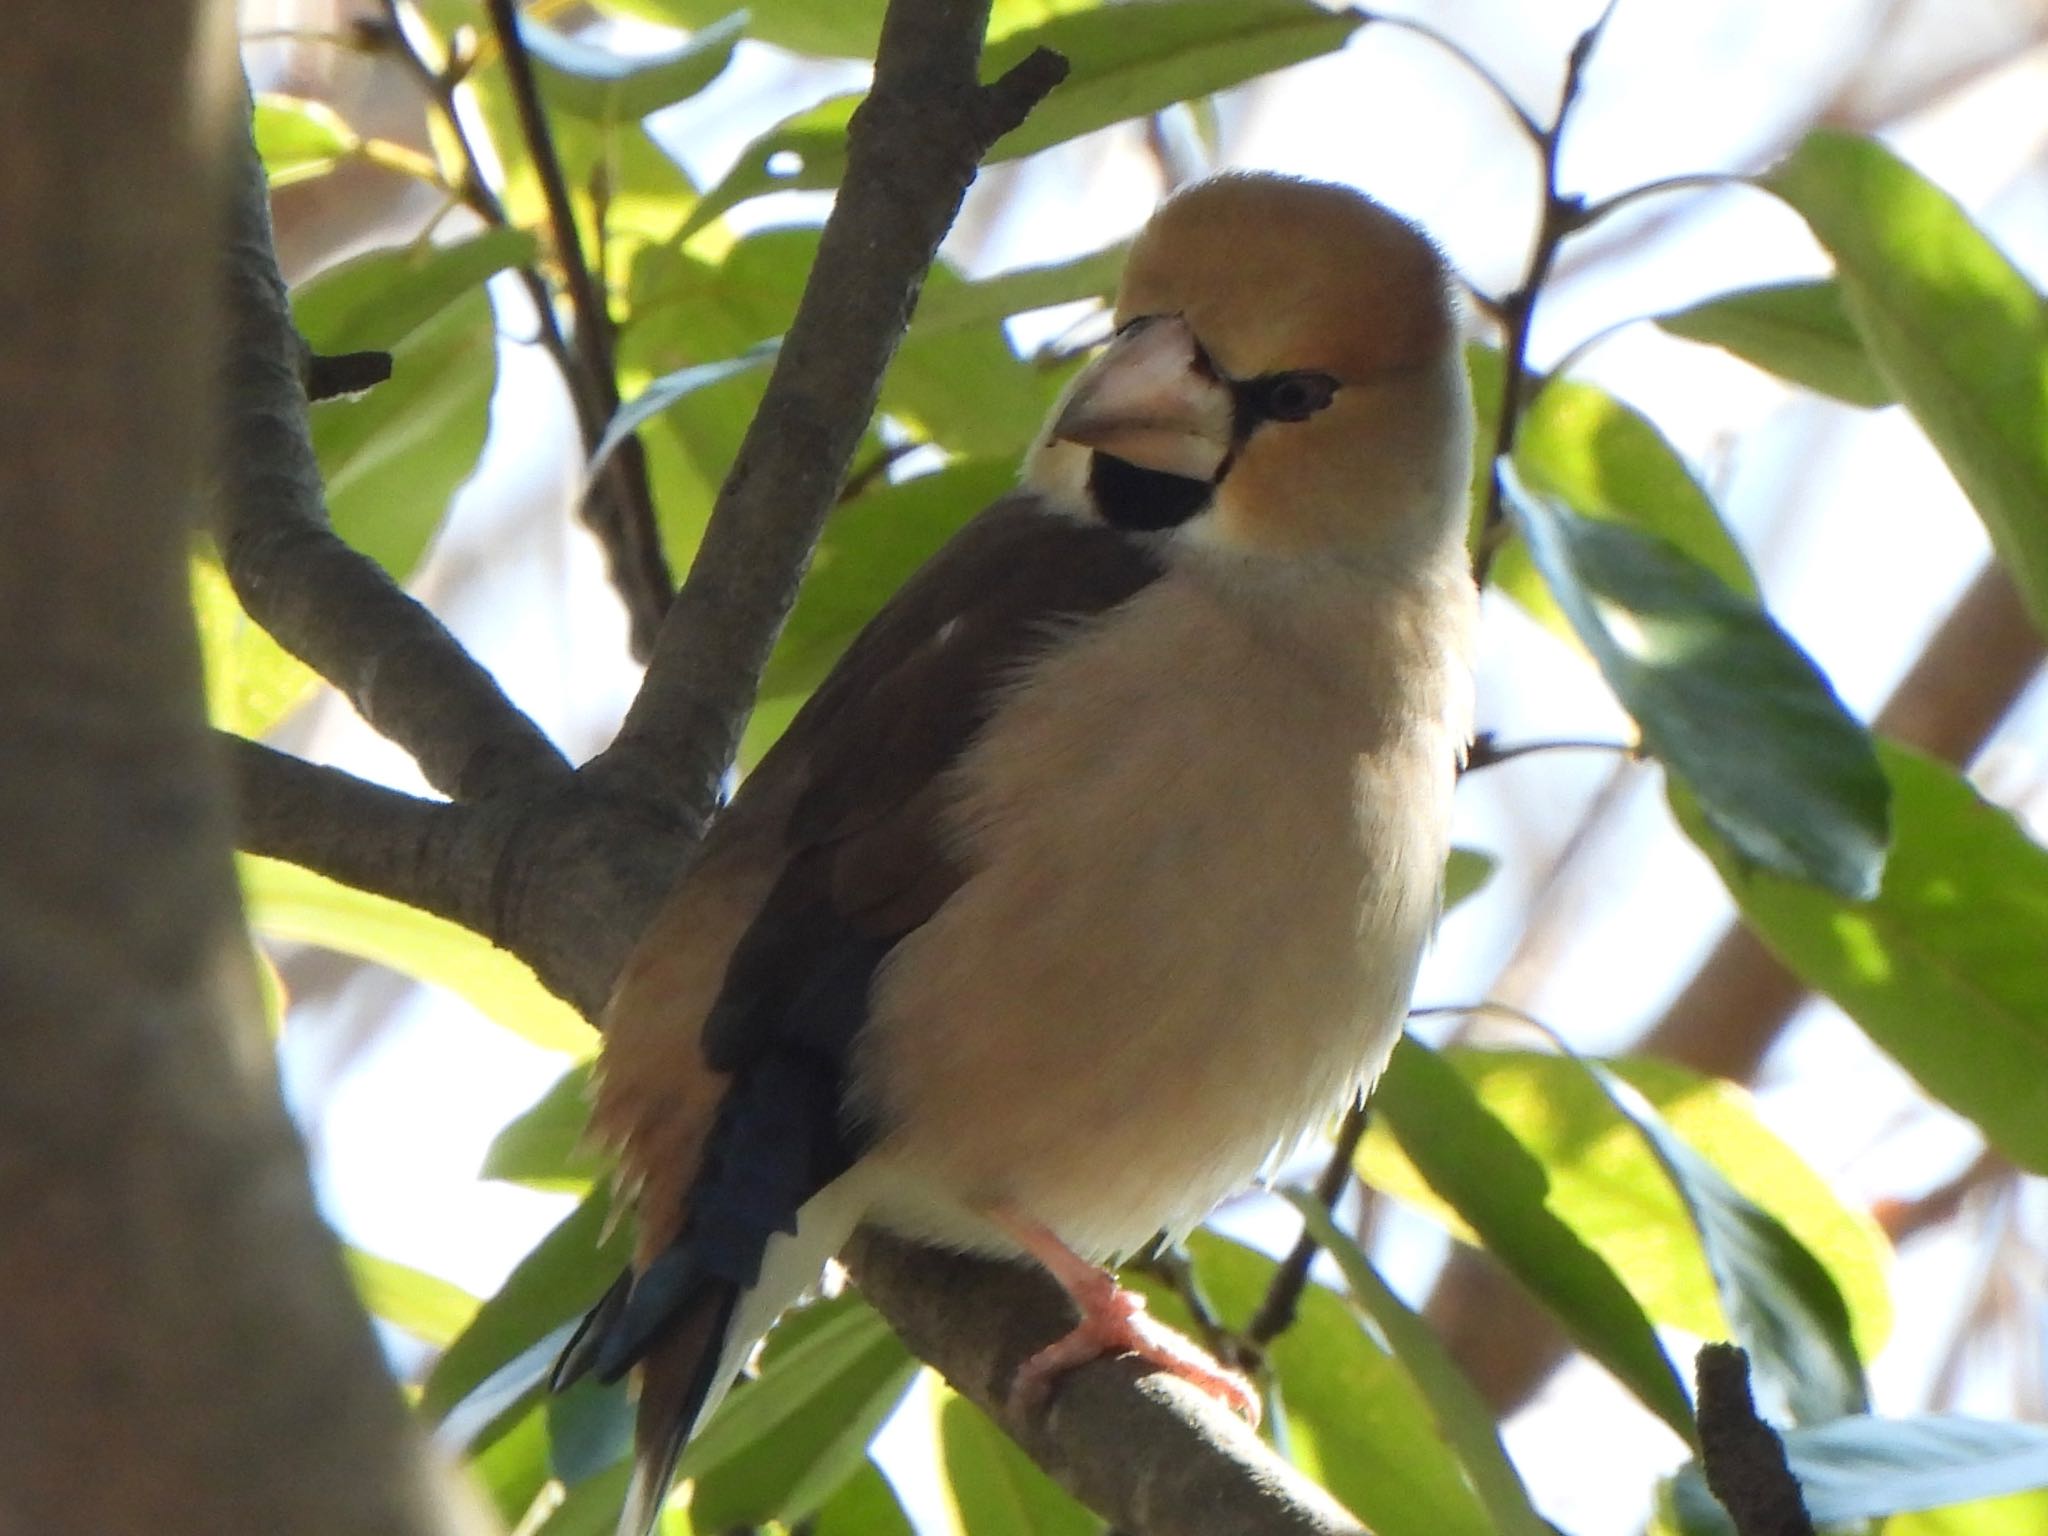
[1285, 377]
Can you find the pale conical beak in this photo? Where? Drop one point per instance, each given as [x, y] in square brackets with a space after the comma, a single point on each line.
[1152, 400]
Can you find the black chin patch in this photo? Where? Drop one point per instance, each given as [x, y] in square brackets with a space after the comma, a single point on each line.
[1143, 500]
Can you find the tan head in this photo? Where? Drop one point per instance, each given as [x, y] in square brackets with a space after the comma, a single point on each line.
[1285, 376]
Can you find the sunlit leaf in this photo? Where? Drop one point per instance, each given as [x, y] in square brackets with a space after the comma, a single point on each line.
[597, 83]
[1464, 1421]
[865, 1505]
[544, 1145]
[1782, 1305]
[288, 902]
[1466, 871]
[1128, 61]
[513, 1470]
[1723, 697]
[1604, 460]
[1798, 331]
[1123, 62]
[1943, 968]
[252, 682]
[1604, 1182]
[298, 139]
[804, 153]
[426, 1306]
[1474, 1164]
[781, 1445]
[996, 1489]
[1953, 326]
[394, 456]
[1348, 1414]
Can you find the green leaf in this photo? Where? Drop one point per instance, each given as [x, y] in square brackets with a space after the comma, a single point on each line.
[1953, 326]
[1348, 1414]
[393, 457]
[601, 86]
[298, 140]
[865, 1505]
[429, 1308]
[591, 1507]
[1123, 62]
[1464, 1421]
[804, 153]
[1943, 968]
[513, 1469]
[1130, 61]
[1604, 460]
[964, 389]
[500, 1360]
[1783, 1306]
[544, 1146]
[287, 902]
[869, 549]
[1466, 871]
[590, 1429]
[2015, 1514]
[782, 1445]
[670, 388]
[845, 29]
[997, 1490]
[1475, 1164]
[1606, 1184]
[1863, 1468]
[1724, 698]
[1799, 331]
[252, 682]
[961, 305]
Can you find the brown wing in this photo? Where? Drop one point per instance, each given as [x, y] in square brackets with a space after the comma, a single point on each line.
[832, 850]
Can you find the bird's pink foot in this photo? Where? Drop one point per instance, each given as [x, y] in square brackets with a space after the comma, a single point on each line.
[1113, 1322]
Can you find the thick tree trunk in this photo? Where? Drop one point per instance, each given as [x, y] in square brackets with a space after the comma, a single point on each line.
[178, 1343]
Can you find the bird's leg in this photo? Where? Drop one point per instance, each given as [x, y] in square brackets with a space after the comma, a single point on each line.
[1113, 1322]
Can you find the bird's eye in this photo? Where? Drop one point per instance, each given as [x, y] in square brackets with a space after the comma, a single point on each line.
[1294, 396]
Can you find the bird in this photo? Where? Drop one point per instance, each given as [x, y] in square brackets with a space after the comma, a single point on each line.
[1097, 872]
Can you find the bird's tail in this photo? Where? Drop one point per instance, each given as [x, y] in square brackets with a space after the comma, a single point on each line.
[710, 1326]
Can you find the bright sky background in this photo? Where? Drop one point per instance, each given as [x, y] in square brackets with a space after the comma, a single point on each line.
[1860, 539]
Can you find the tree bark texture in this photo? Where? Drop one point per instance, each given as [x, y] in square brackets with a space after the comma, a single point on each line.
[178, 1341]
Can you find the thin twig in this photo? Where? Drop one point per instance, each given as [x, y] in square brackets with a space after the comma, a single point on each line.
[1283, 1296]
[1493, 83]
[1487, 753]
[619, 508]
[1561, 216]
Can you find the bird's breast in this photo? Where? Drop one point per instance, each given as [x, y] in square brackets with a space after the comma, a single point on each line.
[1203, 853]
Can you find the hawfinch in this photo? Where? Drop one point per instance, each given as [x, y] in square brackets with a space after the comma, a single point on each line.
[1097, 872]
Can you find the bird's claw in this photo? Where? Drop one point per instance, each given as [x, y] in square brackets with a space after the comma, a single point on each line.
[1115, 1322]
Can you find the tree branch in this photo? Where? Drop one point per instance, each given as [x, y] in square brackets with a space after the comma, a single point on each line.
[1742, 1456]
[330, 606]
[1146, 1452]
[912, 150]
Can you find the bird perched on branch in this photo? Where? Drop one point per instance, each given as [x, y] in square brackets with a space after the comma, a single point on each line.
[1098, 871]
